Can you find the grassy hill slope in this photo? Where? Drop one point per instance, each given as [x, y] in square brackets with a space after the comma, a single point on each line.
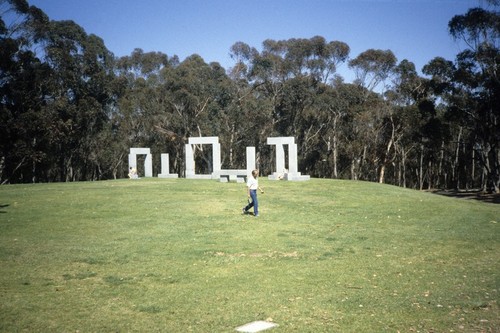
[160, 255]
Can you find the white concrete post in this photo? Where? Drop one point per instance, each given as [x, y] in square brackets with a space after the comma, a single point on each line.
[280, 158]
[216, 159]
[148, 166]
[189, 161]
[292, 158]
[132, 161]
[165, 168]
[250, 160]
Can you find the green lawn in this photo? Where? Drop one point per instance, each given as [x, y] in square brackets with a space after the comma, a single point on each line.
[176, 255]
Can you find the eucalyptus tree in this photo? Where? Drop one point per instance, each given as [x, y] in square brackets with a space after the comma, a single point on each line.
[468, 91]
[138, 77]
[372, 68]
[198, 97]
[438, 134]
[286, 78]
[23, 84]
[23, 127]
[250, 111]
[242, 54]
[326, 57]
[52, 130]
[333, 126]
[478, 81]
[223, 119]
[166, 101]
[407, 91]
[80, 96]
[268, 74]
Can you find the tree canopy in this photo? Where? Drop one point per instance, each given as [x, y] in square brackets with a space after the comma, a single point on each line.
[70, 109]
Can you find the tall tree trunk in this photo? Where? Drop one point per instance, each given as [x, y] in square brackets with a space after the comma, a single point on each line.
[496, 173]
[335, 147]
[231, 144]
[484, 180]
[403, 153]
[362, 162]
[473, 168]
[456, 173]
[353, 169]
[429, 177]
[421, 168]
[381, 174]
[385, 161]
[440, 165]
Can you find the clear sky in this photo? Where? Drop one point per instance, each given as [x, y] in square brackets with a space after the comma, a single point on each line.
[416, 30]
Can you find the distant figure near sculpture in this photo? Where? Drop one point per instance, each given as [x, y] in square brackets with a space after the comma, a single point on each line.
[282, 175]
[132, 173]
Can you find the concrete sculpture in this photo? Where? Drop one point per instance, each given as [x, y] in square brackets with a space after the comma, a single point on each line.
[165, 167]
[282, 172]
[190, 165]
[148, 162]
[225, 175]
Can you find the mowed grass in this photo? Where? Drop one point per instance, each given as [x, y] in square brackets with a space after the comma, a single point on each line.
[176, 255]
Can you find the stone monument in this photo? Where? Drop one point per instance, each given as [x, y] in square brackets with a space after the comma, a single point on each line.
[165, 167]
[239, 175]
[148, 162]
[282, 172]
[190, 165]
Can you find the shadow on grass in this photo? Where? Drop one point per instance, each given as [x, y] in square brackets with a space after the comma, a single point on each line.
[470, 195]
[2, 207]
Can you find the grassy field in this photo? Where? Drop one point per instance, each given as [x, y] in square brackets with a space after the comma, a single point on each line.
[160, 255]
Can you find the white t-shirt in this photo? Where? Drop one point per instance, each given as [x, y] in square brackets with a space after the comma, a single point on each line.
[252, 183]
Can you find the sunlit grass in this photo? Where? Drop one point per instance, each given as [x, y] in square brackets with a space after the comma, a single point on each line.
[177, 256]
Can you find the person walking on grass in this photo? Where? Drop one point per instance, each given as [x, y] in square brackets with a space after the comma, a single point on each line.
[252, 187]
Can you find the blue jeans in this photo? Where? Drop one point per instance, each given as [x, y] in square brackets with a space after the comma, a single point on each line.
[254, 203]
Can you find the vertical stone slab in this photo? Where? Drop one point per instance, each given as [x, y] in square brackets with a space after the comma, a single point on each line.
[292, 158]
[189, 161]
[132, 161]
[165, 168]
[250, 160]
[165, 164]
[280, 158]
[148, 166]
[216, 160]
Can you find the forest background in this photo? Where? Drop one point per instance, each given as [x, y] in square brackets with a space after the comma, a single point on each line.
[70, 110]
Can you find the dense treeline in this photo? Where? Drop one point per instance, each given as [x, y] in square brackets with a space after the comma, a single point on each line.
[70, 110]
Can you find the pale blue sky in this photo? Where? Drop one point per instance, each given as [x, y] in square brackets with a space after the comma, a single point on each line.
[413, 29]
